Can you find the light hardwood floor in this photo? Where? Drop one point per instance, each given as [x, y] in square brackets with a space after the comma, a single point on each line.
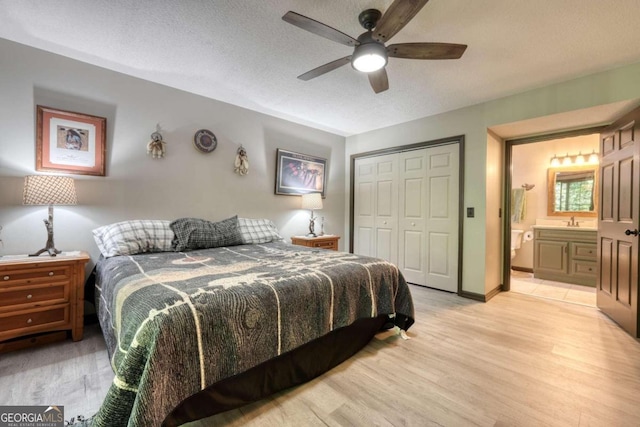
[514, 361]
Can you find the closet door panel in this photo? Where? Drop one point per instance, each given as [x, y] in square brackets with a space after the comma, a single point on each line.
[438, 250]
[376, 207]
[364, 211]
[386, 211]
[412, 216]
[442, 221]
[413, 256]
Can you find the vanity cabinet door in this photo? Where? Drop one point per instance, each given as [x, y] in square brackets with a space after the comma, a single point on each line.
[551, 257]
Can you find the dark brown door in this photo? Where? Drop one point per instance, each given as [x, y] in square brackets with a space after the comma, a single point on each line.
[617, 288]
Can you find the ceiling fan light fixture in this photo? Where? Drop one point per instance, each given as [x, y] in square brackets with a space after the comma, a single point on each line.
[369, 57]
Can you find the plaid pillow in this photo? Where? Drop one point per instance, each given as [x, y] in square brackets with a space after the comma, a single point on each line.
[133, 237]
[258, 231]
[195, 233]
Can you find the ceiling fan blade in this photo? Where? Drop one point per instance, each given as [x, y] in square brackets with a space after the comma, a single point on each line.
[319, 29]
[325, 68]
[379, 81]
[396, 17]
[426, 50]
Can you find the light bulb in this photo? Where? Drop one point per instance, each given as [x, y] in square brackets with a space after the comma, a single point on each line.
[369, 63]
[555, 161]
[593, 158]
[369, 55]
[566, 161]
[579, 158]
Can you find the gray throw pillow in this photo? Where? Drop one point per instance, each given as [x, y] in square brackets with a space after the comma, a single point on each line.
[196, 233]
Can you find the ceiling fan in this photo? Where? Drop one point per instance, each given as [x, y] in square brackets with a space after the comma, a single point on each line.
[370, 55]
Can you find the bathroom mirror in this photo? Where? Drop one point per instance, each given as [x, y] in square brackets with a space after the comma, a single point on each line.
[572, 191]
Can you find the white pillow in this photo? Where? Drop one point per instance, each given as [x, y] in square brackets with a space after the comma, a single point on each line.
[133, 237]
[258, 231]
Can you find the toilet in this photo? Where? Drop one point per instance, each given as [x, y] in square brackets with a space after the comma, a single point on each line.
[516, 241]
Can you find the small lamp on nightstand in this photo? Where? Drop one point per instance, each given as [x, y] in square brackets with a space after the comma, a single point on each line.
[312, 201]
[49, 190]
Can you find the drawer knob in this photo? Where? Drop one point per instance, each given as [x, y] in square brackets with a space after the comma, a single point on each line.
[384, 222]
[29, 296]
[51, 273]
[413, 223]
[6, 277]
[29, 321]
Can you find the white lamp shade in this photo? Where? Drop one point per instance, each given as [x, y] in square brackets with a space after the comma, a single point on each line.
[49, 190]
[369, 57]
[312, 201]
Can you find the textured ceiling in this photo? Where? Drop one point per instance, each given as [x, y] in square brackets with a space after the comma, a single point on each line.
[241, 52]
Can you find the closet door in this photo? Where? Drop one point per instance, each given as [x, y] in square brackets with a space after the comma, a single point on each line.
[412, 242]
[376, 207]
[406, 212]
[364, 206]
[386, 208]
[442, 217]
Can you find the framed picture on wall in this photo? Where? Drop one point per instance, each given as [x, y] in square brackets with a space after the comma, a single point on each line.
[298, 174]
[70, 142]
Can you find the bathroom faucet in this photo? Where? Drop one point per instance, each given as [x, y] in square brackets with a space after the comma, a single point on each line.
[573, 222]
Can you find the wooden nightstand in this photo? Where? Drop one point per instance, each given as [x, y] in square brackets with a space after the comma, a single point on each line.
[328, 241]
[40, 299]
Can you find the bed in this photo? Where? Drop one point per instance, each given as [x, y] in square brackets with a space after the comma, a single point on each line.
[192, 333]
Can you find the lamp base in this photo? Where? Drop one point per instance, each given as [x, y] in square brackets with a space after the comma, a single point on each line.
[312, 222]
[49, 247]
[52, 251]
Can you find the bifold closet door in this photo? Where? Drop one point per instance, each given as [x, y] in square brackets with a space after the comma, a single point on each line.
[443, 192]
[412, 224]
[428, 216]
[406, 212]
[376, 207]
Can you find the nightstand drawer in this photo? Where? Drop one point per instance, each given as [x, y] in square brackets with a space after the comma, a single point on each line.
[327, 244]
[34, 320]
[20, 276]
[21, 295]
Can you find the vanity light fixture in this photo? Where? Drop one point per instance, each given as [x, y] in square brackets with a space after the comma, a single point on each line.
[574, 159]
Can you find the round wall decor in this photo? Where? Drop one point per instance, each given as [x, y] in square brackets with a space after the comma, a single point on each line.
[205, 141]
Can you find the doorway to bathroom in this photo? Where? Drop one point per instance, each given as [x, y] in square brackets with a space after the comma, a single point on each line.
[552, 216]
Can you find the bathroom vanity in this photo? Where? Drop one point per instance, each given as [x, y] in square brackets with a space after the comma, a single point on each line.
[565, 254]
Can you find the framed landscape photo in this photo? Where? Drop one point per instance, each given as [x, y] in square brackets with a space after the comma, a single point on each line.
[298, 174]
[70, 142]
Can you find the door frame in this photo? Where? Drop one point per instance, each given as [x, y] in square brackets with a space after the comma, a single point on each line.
[459, 139]
[508, 182]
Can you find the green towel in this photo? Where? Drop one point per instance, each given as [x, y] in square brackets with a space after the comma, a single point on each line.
[518, 205]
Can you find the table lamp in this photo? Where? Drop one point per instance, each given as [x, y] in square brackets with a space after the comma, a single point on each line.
[312, 201]
[49, 190]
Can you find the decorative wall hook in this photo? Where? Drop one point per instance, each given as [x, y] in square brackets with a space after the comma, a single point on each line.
[156, 147]
[242, 162]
